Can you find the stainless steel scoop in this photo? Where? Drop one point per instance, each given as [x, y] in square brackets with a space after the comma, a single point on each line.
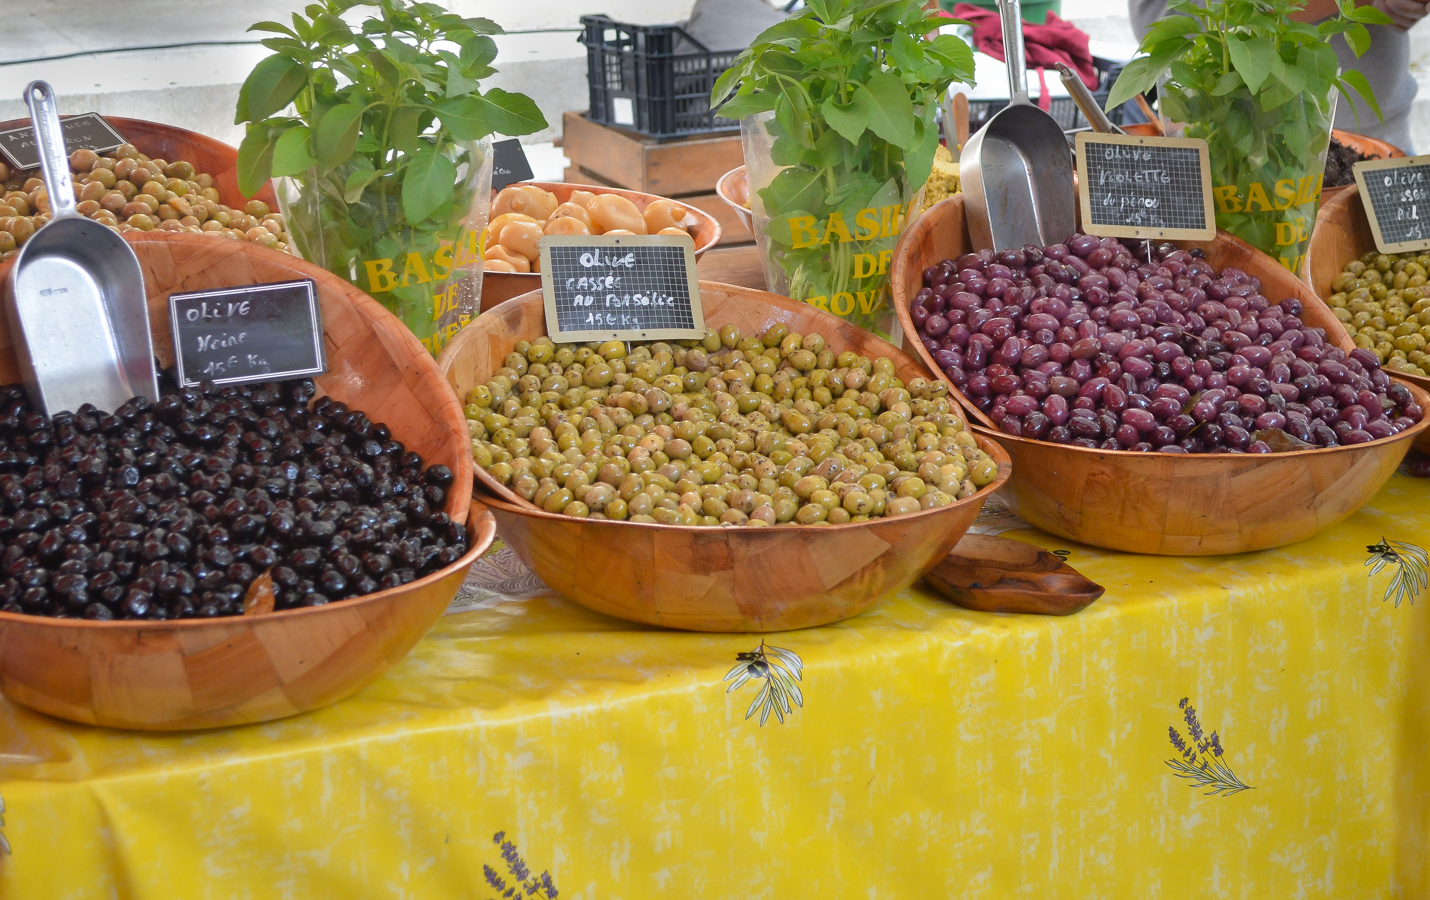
[1016, 171]
[75, 296]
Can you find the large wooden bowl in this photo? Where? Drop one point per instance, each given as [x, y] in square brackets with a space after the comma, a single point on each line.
[734, 188]
[201, 673]
[715, 579]
[498, 287]
[172, 143]
[1343, 234]
[1155, 502]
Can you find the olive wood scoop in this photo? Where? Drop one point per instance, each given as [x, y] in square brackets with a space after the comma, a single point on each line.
[997, 574]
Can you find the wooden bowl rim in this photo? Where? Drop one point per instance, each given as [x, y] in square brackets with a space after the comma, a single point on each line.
[603, 189]
[722, 183]
[482, 530]
[984, 424]
[497, 490]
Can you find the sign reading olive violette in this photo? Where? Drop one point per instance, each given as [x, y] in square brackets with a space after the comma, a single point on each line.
[1145, 187]
[262, 332]
[86, 132]
[1396, 195]
[636, 287]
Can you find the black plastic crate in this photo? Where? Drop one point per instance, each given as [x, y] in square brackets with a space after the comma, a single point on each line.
[652, 79]
[1063, 109]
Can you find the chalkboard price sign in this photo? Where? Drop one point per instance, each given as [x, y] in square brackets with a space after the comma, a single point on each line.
[262, 332]
[620, 287]
[1396, 196]
[1145, 187]
[86, 132]
[509, 164]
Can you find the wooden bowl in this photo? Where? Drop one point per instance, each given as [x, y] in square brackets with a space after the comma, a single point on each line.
[1156, 502]
[203, 673]
[1342, 234]
[715, 579]
[734, 188]
[498, 287]
[1364, 145]
[169, 142]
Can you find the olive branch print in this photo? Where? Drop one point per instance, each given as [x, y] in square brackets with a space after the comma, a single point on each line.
[1411, 573]
[779, 669]
[524, 884]
[4, 844]
[1200, 759]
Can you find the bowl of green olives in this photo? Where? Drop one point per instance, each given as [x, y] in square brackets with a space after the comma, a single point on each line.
[785, 471]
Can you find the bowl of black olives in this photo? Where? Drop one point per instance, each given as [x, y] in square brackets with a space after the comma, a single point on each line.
[238, 553]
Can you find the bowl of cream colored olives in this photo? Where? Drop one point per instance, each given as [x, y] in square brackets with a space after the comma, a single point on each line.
[787, 470]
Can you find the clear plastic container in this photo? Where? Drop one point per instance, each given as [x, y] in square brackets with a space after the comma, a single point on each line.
[430, 276]
[831, 244]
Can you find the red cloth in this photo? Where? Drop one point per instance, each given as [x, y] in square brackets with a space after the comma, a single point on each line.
[1058, 41]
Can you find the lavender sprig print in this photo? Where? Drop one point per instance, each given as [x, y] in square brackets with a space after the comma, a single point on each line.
[1411, 573]
[523, 884]
[1199, 757]
[779, 669]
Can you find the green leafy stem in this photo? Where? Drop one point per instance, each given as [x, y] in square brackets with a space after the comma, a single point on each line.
[853, 88]
[382, 119]
[1258, 87]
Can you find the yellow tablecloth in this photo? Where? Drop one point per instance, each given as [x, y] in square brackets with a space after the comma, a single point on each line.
[938, 753]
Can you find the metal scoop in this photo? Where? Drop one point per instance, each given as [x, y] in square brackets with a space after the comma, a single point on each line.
[1016, 171]
[75, 296]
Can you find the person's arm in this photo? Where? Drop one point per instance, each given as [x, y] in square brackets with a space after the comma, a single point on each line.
[1403, 13]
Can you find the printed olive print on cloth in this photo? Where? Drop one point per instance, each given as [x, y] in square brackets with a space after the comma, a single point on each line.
[523, 883]
[1409, 568]
[780, 669]
[1200, 757]
[4, 844]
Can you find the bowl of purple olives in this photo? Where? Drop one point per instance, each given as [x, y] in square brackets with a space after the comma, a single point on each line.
[238, 553]
[1179, 399]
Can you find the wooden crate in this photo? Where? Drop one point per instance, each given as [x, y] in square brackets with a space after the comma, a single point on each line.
[684, 170]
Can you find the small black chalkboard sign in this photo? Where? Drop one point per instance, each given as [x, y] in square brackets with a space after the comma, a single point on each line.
[1396, 195]
[262, 332]
[1145, 187]
[636, 287]
[86, 132]
[509, 164]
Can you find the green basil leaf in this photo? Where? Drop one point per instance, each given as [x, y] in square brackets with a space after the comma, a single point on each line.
[513, 114]
[458, 84]
[465, 117]
[918, 161]
[1137, 77]
[1357, 81]
[478, 50]
[255, 159]
[1227, 83]
[361, 176]
[741, 105]
[274, 27]
[337, 135]
[271, 85]
[290, 152]
[891, 114]
[384, 66]
[1171, 27]
[1368, 15]
[402, 128]
[1249, 55]
[1358, 38]
[429, 183]
[849, 121]
[482, 26]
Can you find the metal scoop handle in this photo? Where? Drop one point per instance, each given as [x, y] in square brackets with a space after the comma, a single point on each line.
[1086, 102]
[50, 140]
[1011, 14]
